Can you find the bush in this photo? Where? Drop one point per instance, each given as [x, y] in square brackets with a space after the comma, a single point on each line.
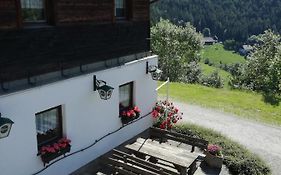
[193, 73]
[236, 157]
[207, 61]
[213, 80]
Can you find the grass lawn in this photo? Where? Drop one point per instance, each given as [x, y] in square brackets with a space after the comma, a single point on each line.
[245, 104]
[216, 53]
[207, 70]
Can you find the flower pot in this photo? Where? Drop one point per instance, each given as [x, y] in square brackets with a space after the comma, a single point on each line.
[46, 158]
[213, 161]
[126, 120]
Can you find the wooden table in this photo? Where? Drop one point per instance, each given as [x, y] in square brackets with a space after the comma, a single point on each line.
[182, 159]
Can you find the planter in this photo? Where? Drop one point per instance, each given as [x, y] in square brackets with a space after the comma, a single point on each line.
[126, 120]
[46, 158]
[213, 161]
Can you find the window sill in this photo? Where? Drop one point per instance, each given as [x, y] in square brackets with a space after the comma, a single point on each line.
[36, 25]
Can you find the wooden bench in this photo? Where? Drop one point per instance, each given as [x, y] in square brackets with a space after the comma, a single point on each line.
[180, 158]
[127, 164]
[194, 142]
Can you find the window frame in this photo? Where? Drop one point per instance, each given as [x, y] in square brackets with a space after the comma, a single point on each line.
[128, 8]
[60, 129]
[49, 15]
[131, 95]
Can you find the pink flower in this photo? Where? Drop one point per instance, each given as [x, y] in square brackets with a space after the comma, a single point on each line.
[155, 114]
[136, 109]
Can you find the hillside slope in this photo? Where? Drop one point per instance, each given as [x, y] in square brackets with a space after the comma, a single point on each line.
[227, 19]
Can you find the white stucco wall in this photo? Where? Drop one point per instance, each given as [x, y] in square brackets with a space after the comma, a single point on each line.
[85, 118]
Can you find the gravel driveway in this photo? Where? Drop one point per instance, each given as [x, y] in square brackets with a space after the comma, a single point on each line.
[265, 140]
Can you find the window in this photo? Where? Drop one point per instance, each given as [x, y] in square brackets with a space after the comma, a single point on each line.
[120, 9]
[49, 126]
[33, 10]
[125, 96]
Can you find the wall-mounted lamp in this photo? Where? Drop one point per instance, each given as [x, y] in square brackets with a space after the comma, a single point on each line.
[104, 90]
[5, 126]
[154, 71]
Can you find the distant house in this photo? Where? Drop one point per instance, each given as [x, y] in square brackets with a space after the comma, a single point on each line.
[245, 50]
[209, 40]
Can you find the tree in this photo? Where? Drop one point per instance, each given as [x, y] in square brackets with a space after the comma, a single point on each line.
[262, 71]
[176, 46]
[206, 32]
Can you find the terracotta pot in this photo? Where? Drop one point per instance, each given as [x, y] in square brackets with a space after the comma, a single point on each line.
[213, 161]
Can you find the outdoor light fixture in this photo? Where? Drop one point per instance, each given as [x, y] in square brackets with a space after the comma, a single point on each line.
[5, 126]
[104, 90]
[154, 71]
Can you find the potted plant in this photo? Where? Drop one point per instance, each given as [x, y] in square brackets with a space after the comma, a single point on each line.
[129, 114]
[214, 157]
[50, 152]
[165, 115]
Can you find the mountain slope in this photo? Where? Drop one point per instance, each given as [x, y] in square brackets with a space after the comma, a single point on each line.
[227, 19]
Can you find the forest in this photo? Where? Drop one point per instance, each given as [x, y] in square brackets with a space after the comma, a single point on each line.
[227, 19]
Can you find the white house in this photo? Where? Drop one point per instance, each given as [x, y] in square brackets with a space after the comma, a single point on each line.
[48, 63]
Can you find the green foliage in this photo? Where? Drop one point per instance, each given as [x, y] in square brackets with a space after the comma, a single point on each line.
[262, 71]
[227, 19]
[176, 46]
[193, 73]
[206, 32]
[213, 80]
[218, 55]
[244, 104]
[237, 158]
[229, 45]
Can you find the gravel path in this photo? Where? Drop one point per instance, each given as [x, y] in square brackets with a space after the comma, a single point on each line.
[265, 140]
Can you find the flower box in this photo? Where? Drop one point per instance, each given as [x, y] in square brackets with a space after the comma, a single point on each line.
[46, 158]
[51, 152]
[129, 115]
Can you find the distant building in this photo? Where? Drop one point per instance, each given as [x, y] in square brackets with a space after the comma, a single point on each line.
[245, 50]
[210, 40]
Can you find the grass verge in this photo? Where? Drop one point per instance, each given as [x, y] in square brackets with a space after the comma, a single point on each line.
[245, 104]
[236, 157]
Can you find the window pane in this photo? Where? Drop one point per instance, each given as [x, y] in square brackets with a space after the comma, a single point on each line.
[125, 95]
[48, 126]
[33, 10]
[120, 8]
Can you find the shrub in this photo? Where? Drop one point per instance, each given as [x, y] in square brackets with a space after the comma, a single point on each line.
[236, 157]
[210, 63]
[213, 80]
[207, 61]
[193, 73]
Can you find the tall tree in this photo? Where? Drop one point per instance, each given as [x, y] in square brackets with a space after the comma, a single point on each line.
[177, 46]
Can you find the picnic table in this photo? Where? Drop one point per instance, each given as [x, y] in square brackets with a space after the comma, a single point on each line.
[182, 159]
